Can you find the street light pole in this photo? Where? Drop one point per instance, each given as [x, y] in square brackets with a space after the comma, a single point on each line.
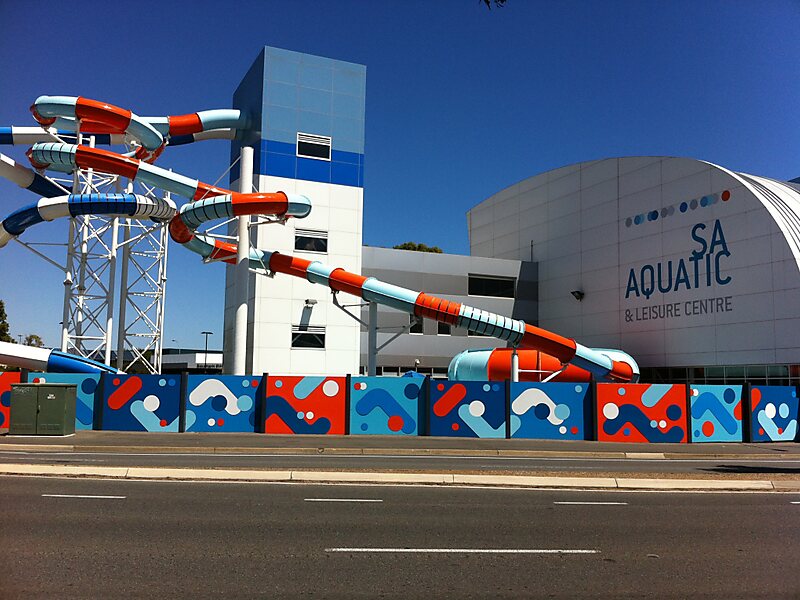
[205, 354]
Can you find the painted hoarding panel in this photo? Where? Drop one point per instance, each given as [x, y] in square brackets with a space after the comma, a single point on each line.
[310, 404]
[774, 413]
[141, 402]
[6, 379]
[549, 410]
[88, 393]
[716, 413]
[385, 405]
[467, 409]
[220, 403]
[641, 412]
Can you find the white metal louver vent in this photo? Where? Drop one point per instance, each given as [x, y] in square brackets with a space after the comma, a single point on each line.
[313, 146]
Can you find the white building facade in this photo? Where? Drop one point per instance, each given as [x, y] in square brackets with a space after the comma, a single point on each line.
[688, 266]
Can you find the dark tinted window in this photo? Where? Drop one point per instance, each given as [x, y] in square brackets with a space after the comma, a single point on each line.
[443, 329]
[310, 244]
[313, 150]
[491, 286]
[304, 339]
[416, 325]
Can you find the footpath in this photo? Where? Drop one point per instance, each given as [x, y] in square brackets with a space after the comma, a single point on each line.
[763, 467]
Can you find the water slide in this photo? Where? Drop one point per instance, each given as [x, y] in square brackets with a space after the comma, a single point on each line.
[547, 350]
[50, 361]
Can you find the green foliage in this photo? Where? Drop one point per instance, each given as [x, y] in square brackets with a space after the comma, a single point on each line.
[33, 340]
[4, 328]
[418, 247]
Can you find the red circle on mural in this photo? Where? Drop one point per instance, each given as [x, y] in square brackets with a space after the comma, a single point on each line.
[116, 381]
[726, 195]
[163, 423]
[574, 430]
[708, 429]
[396, 423]
[455, 426]
[440, 387]
[220, 422]
[254, 383]
[780, 430]
[760, 431]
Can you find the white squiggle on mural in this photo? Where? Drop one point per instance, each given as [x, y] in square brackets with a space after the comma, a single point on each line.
[214, 387]
[534, 397]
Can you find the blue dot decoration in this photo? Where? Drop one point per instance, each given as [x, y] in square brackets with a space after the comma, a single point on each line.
[684, 207]
[729, 395]
[218, 403]
[411, 391]
[364, 427]
[542, 411]
[88, 386]
[674, 412]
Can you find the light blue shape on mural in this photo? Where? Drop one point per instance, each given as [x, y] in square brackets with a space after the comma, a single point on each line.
[149, 420]
[474, 419]
[306, 385]
[655, 393]
[774, 413]
[384, 405]
[87, 390]
[714, 413]
[220, 403]
[555, 411]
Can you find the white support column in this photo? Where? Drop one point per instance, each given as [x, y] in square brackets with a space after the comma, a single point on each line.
[241, 289]
[514, 365]
[372, 339]
[112, 277]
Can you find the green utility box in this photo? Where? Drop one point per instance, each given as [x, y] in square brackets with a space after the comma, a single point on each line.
[42, 409]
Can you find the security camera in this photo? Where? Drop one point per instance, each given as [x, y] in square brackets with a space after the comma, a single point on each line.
[310, 302]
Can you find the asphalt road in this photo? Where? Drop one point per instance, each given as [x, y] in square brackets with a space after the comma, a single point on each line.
[691, 466]
[197, 540]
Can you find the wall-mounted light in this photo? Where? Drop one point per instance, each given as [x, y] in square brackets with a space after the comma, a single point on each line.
[577, 294]
[310, 302]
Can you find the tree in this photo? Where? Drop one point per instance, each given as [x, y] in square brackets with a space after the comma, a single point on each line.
[4, 335]
[418, 247]
[34, 340]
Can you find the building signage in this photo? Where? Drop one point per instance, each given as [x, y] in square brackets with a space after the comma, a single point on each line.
[705, 267]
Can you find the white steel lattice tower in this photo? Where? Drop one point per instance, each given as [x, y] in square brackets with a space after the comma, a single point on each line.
[96, 247]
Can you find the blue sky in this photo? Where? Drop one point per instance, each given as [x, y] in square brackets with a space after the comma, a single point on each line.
[461, 102]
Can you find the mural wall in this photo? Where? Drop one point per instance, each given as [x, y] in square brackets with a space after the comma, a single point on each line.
[467, 409]
[6, 379]
[221, 403]
[774, 413]
[716, 413]
[89, 393]
[641, 412]
[297, 404]
[141, 402]
[556, 411]
[386, 405]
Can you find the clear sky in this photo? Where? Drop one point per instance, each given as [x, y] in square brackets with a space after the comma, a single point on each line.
[461, 102]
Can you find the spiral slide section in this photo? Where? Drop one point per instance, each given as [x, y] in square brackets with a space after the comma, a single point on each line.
[51, 361]
[603, 365]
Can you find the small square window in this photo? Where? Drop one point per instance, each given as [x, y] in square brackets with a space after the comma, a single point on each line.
[308, 336]
[443, 328]
[309, 240]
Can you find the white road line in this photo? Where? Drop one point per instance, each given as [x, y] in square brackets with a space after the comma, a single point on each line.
[794, 502]
[341, 500]
[464, 550]
[595, 503]
[83, 496]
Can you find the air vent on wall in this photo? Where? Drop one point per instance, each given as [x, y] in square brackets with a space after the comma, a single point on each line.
[314, 146]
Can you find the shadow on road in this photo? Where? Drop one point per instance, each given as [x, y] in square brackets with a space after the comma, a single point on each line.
[752, 469]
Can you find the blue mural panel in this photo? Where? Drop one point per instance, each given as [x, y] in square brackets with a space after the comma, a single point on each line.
[774, 413]
[716, 413]
[553, 411]
[88, 393]
[385, 405]
[221, 403]
[141, 402]
[468, 409]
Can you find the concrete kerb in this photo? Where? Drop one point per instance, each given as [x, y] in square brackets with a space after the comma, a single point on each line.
[345, 477]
